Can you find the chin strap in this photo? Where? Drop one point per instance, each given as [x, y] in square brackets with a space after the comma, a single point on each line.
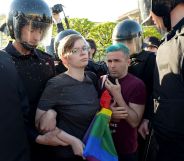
[28, 46]
[167, 22]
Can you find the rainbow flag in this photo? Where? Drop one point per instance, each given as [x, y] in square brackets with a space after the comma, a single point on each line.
[98, 141]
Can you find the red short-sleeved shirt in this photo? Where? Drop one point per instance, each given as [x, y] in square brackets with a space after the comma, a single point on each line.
[124, 136]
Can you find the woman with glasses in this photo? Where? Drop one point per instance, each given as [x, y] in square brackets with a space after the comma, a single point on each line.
[68, 94]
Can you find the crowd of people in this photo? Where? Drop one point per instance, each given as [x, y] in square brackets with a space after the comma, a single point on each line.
[49, 99]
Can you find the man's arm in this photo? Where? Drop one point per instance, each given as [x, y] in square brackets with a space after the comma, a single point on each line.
[132, 113]
[58, 22]
[135, 114]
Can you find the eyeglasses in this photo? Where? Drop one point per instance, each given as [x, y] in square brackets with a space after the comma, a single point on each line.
[77, 51]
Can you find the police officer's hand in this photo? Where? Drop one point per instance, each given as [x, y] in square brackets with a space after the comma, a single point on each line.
[56, 18]
[47, 122]
[50, 138]
[143, 128]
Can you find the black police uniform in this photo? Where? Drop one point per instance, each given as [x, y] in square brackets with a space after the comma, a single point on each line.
[13, 140]
[34, 71]
[99, 68]
[50, 48]
[142, 66]
[169, 94]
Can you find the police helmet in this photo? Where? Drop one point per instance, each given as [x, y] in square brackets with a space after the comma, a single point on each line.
[152, 41]
[35, 13]
[128, 32]
[61, 35]
[161, 8]
[144, 7]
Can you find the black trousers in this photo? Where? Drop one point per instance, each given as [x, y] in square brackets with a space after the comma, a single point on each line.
[47, 153]
[128, 157]
[148, 148]
[39, 153]
[170, 149]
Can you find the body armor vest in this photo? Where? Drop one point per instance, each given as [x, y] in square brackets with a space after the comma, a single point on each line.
[169, 87]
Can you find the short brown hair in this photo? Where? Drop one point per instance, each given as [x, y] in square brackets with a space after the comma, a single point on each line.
[67, 43]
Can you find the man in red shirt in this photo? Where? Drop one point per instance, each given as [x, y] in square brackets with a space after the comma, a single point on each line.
[129, 95]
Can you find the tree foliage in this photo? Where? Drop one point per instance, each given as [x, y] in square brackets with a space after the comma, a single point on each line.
[99, 32]
[151, 31]
[102, 35]
[82, 25]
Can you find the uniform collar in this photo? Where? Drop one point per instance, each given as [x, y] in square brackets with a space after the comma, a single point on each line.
[176, 28]
[13, 51]
[179, 25]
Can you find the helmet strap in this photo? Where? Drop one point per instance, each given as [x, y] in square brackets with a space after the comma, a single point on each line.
[167, 22]
[27, 46]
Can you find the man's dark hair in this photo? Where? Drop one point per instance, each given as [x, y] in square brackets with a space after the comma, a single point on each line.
[92, 45]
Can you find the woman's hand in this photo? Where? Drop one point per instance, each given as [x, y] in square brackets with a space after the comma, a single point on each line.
[47, 121]
[77, 146]
[50, 138]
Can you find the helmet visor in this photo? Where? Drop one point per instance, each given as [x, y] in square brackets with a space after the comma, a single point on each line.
[134, 44]
[32, 31]
[145, 7]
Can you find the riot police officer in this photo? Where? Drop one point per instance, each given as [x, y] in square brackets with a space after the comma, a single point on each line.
[56, 15]
[14, 145]
[168, 83]
[151, 43]
[142, 64]
[29, 23]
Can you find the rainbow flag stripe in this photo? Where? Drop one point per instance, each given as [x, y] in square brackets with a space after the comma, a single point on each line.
[100, 146]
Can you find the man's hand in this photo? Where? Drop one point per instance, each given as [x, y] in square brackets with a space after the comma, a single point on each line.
[47, 121]
[119, 113]
[113, 88]
[50, 138]
[143, 128]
